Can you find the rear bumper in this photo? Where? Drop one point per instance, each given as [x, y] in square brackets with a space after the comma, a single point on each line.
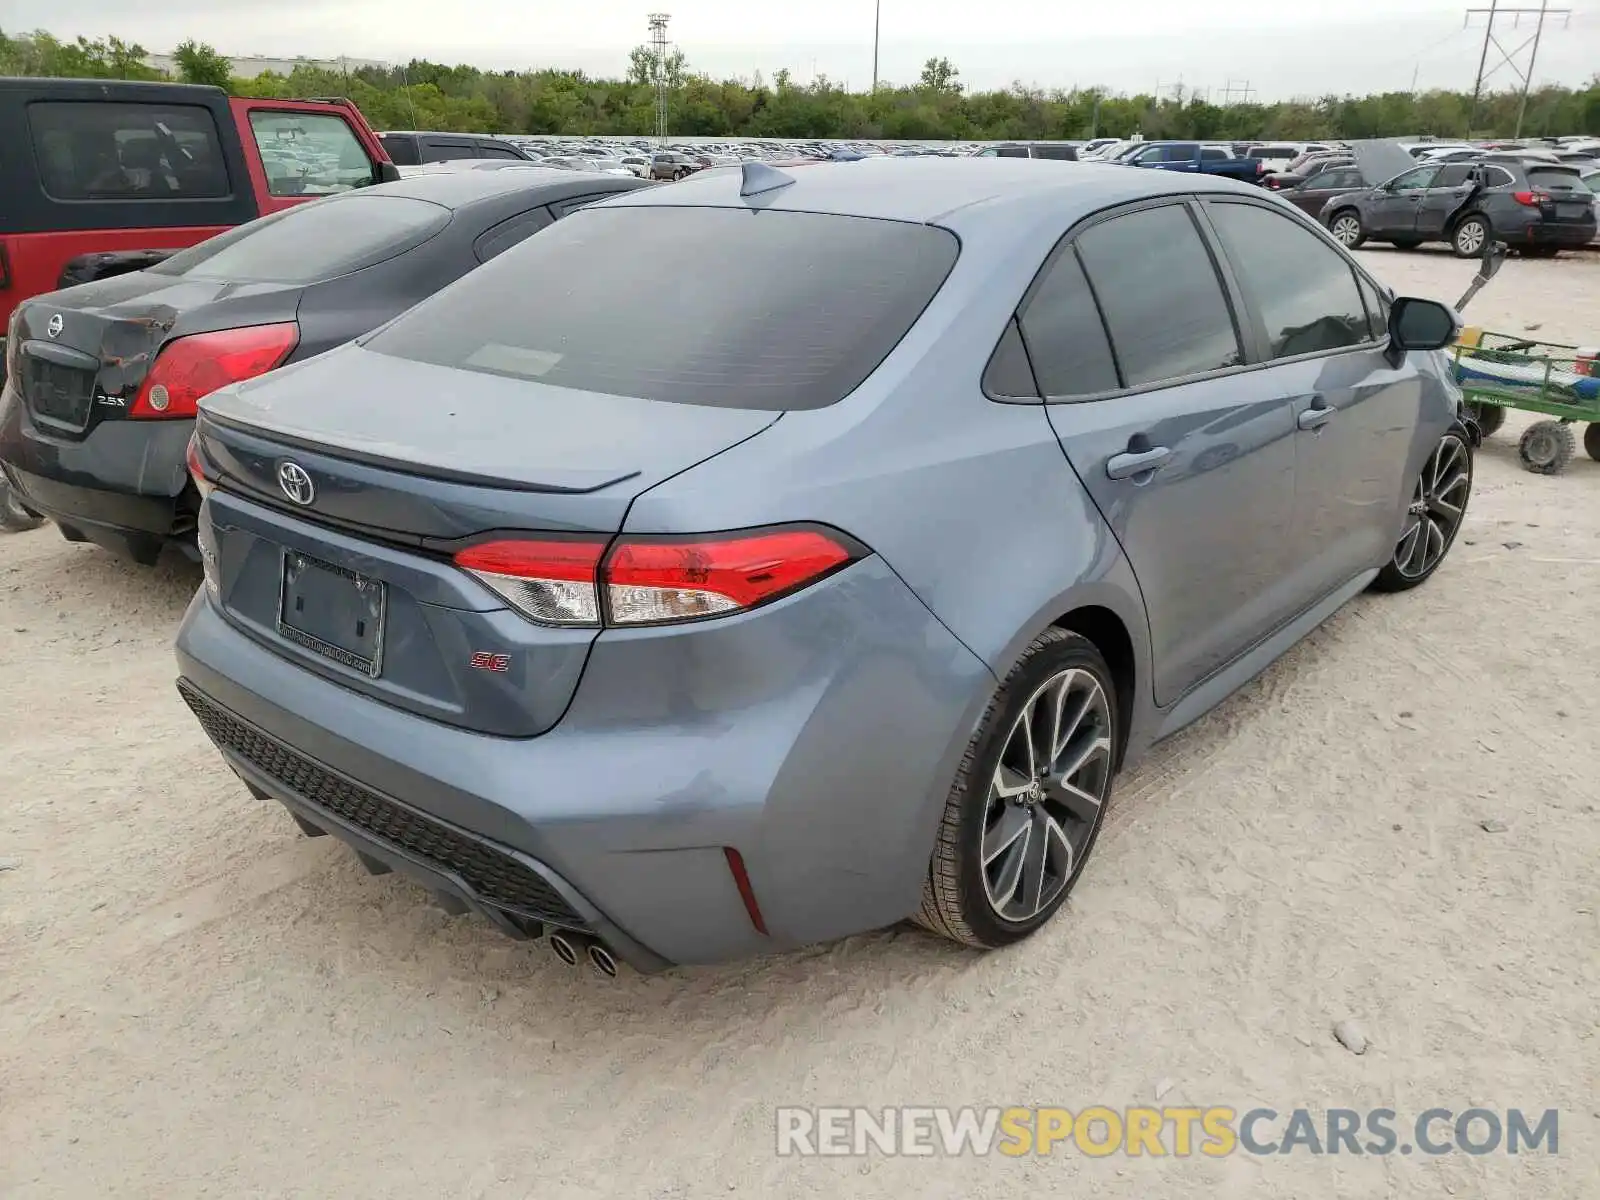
[816, 737]
[1545, 234]
[123, 484]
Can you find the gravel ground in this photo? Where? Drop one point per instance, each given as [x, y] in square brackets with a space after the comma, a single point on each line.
[195, 1000]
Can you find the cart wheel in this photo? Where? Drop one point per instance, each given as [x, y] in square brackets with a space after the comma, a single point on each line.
[1488, 416]
[1591, 440]
[1547, 447]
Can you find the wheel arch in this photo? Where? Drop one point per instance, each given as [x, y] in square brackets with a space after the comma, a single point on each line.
[1110, 636]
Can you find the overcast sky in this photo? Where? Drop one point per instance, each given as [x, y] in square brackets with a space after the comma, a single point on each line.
[1279, 47]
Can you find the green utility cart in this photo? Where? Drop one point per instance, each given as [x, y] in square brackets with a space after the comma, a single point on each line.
[1498, 371]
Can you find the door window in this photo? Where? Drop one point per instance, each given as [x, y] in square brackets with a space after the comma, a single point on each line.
[1164, 306]
[435, 150]
[90, 150]
[1012, 152]
[1213, 154]
[489, 150]
[1414, 179]
[1335, 179]
[1304, 288]
[1453, 176]
[1065, 337]
[310, 154]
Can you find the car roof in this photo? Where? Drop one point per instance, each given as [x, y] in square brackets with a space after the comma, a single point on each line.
[925, 189]
[457, 189]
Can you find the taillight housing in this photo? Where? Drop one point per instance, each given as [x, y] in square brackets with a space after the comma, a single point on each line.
[655, 580]
[1531, 199]
[197, 467]
[187, 369]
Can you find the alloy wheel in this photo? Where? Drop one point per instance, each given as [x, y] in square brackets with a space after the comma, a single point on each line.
[1347, 230]
[1469, 238]
[1046, 794]
[1437, 506]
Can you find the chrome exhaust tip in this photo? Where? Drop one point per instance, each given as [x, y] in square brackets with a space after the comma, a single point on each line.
[602, 961]
[564, 948]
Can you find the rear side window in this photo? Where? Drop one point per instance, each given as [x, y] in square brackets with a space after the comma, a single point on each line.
[308, 154]
[102, 151]
[313, 242]
[1497, 177]
[401, 148]
[434, 150]
[1066, 153]
[737, 308]
[1164, 305]
[1305, 290]
[1213, 154]
[1453, 175]
[1065, 338]
[1012, 152]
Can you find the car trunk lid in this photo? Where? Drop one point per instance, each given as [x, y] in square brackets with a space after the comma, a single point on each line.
[345, 486]
[86, 351]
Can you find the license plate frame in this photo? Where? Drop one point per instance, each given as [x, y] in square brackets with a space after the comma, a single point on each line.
[304, 576]
[57, 395]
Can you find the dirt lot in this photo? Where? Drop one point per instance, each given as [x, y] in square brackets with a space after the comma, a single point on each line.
[195, 1000]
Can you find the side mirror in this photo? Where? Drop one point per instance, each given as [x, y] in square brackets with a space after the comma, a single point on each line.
[1417, 324]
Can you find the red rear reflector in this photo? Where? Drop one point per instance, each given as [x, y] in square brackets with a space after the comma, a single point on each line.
[741, 880]
[553, 581]
[187, 369]
[650, 581]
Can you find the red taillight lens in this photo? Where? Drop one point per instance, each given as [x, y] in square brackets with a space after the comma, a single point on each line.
[650, 581]
[1531, 199]
[653, 581]
[190, 368]
[197, 467]
[552, 581]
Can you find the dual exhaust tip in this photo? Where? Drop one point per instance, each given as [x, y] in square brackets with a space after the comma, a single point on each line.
[570, 947]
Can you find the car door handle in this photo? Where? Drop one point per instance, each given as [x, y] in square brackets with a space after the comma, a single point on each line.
[1316, 416]
[1137, 462]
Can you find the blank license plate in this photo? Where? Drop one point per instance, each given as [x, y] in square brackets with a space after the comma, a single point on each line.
[1574, 211]
[332, 611]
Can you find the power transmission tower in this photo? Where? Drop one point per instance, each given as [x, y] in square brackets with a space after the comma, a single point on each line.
[1511, 58]
[1243, 91]
[658, 54]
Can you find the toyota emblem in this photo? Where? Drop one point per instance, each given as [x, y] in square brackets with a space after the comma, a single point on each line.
[296, 483]
[55, 326]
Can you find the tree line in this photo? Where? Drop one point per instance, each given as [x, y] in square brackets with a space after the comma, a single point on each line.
[936, 106]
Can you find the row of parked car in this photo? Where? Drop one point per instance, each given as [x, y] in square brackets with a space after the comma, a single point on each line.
[622, 567]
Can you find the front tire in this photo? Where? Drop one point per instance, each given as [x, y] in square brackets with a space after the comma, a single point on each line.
[1029, 798]
[1347, 230]
[1469, 237]
[1438, 506]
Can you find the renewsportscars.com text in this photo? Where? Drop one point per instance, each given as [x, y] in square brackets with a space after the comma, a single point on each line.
[1179, 1132]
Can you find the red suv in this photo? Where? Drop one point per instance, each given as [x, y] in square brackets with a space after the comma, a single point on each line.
[104, 177]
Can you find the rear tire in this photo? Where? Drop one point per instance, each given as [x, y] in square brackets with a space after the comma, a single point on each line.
[1591, 441]
[1547, 447]
[1020, 821]
[1488, 416]
[1347, 229]
[1469, 237]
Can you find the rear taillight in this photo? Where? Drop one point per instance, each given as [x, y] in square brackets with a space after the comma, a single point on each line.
[190, 368]
[1531, 199]
[197, 467]
[654, 580]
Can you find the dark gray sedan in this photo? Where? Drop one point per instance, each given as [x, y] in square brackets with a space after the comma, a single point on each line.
[104, 378]
[782, 554]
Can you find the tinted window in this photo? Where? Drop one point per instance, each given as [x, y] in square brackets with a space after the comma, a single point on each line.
[1305, 290]
[313, 242]
[1377, 310]
[1593, 182]
[1497, 177]
[1012, 152]
[509, 232]
[99, 151]
[1008, 373]
[1059, 152]
[1453, 175]
[1559, 179]
[434, 150]
[1163, 304]
[1336, 179]
[487, 151]
[307, 154]
[401, 148]
[1213, 153]
[737, 307]
[1065, 336]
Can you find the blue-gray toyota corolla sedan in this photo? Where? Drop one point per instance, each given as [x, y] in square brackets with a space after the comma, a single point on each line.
[782, 554]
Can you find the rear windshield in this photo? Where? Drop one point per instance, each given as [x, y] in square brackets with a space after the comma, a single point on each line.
[313, 242]
[1558, 178]
[737, 308]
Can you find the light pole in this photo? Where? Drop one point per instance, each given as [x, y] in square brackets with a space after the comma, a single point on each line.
[877, 14]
